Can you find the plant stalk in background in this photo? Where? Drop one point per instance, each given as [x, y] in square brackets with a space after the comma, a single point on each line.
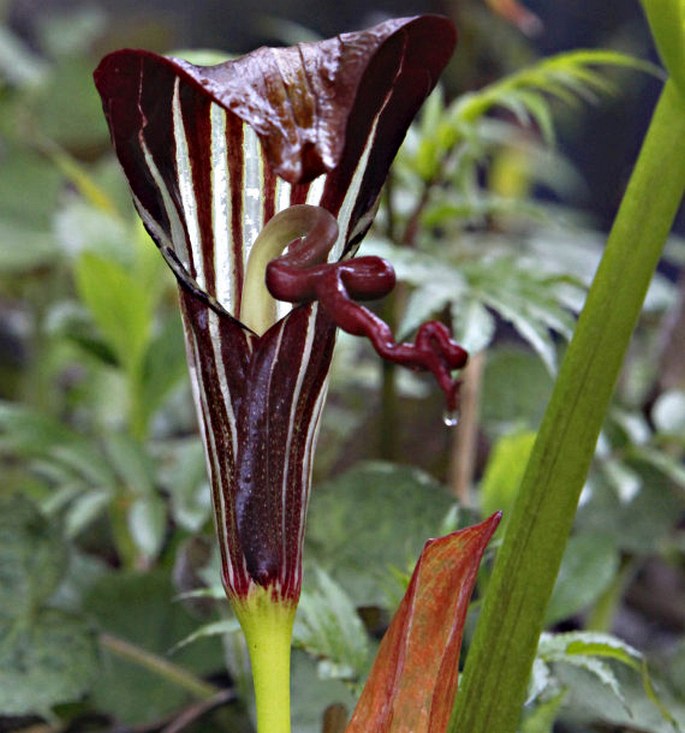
[500, 659]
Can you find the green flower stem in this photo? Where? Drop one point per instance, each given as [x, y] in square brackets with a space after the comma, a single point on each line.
[163, 668]
[268, 627]
[504, 646]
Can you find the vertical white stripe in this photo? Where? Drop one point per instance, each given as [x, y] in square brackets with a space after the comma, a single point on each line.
[253, 199]
[224, 266]
[315, 191]
[303, 363]
[345, 213]
[184, 173]
[307, 463]
[211, 453]
[215, 338]
[178, 240]
[283, 193]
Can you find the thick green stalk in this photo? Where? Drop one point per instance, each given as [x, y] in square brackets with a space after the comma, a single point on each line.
[268, 625]
[500, 659]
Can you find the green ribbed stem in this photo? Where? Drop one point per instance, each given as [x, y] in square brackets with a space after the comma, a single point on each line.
[268, 626]
[501, 655]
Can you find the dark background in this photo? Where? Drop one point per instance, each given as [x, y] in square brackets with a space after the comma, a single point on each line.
[602, 142]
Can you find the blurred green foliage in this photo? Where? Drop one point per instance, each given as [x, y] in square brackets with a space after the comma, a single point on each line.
[105, 511]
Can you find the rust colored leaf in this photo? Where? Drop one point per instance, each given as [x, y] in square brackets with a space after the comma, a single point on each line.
[412, 684]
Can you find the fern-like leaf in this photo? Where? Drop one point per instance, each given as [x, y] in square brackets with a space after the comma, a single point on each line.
[569, 77]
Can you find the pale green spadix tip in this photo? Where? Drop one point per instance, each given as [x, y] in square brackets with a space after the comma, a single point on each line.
[258, 307]
[268, 625]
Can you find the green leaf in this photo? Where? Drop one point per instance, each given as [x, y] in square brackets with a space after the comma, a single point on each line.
[588, 703]
[33, 558]
[602, 672]
[423, 304]
[24, 171]
[27, 433]
[328, 627]
[527, 295]
[164, 367]
[29, 190]
[120, 306]
[625, 481]
[655, 699]
[215, 592]
[354, 519]
[74, 324]
[473, 325]
[531, 106]
[662, 462]
[416, 267]
[558, 647]
[568, 76]
[182, 473]
[71, 33]
[83, 570]
[133, 465]
[67, 108]
[46, 656]
[602, 645]
[541, 680]
[424, 151]
[504, 472]
[85, 509]
[25, 247]
[642, 526]
[18, 64]
[519, 313]
[542, 717]
[504, 407]
[668, 413]
[138, 608]
[147, 523]
[633, 426]
[216, 628]
[311, 695]
[50, 660]
[585, 650]
[80, 226]
[589, 565]
[95, 196]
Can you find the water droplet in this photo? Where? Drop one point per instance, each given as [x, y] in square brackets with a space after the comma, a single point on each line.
[450, 418]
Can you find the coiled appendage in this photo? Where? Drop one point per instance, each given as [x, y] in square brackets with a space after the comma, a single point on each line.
[302, 275]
